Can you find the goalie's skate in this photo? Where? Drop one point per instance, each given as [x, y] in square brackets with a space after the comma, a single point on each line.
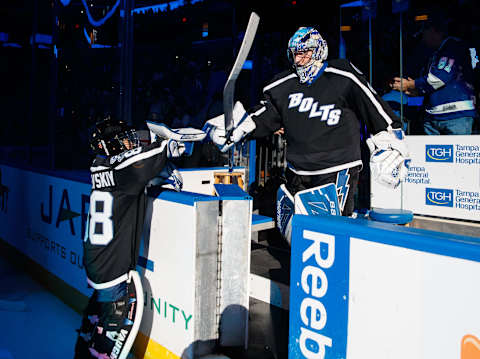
[118, 325]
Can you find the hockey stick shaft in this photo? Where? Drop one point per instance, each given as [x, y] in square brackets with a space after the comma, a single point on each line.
[229, 89]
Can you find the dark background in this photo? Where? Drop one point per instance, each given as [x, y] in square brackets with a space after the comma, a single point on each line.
[51, 94]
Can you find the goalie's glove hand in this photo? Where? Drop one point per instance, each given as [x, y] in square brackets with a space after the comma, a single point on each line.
[242, 126]
[389, 157]
[185, 136]
[175, 149]
[169, 178]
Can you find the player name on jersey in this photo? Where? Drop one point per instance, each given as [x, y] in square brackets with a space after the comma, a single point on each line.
[102, 179]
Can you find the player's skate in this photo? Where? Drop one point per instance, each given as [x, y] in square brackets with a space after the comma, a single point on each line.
[118, 325]
[89, 321]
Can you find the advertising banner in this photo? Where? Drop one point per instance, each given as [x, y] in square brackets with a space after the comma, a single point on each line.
[44, 217]
[362, 289]
[443, 179]
[318, 306]
[186, 297]
[167, 280]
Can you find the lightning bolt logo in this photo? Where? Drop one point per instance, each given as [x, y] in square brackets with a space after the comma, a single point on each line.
[342, 187]
[318, 207]
[285, 214]
[319, 200]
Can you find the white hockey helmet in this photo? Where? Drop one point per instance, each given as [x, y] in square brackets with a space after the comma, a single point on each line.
[304, 39]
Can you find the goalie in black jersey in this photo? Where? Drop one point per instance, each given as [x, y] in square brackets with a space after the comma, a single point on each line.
[120, 173]
[320, 105]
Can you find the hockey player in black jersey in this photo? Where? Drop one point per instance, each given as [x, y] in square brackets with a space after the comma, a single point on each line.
[320, 106]
[120, 172]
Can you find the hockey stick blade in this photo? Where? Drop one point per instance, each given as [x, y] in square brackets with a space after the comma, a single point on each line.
[229, 89]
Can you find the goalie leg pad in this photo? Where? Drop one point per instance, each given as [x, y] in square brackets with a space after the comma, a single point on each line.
[285, 211]
[345, 182]
[119, 322]
[318, 200]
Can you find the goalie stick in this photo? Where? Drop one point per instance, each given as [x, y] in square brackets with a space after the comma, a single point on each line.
[229, 89]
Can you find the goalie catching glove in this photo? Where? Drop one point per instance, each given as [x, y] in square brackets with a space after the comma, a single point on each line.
[389, 157]
[242, 126]
[180, 140]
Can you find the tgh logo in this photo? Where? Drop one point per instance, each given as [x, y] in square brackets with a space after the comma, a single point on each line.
[439, 197]
[439, 153]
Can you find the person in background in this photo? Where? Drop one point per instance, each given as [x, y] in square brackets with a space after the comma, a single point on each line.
[120, 173]
[395, 100]
[446, 82]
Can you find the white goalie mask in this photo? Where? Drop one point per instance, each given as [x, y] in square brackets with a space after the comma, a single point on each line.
[305, 39]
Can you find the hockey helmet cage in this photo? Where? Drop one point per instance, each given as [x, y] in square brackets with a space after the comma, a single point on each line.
[304, 39]
[111, 137]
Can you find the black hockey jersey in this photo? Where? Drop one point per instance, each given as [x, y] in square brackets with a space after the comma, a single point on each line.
[117, 211]
[322, 120]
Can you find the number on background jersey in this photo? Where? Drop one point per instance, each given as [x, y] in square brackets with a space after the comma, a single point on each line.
[448, 68]
[100, 223]
[446, 64]
[473, 57]
[442, 63]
